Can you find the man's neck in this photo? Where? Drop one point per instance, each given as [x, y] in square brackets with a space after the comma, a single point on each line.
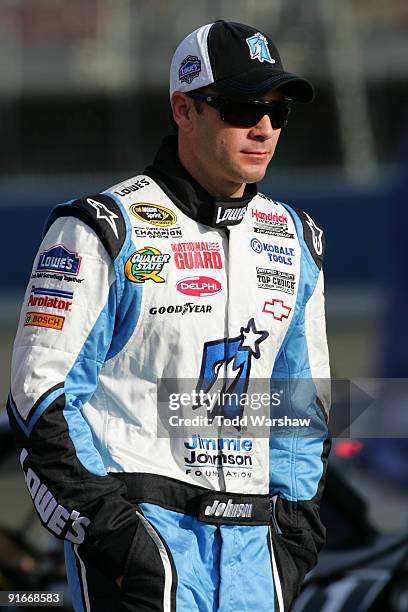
[215, 188]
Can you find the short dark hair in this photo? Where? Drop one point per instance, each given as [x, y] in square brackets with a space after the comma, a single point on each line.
[198, 105]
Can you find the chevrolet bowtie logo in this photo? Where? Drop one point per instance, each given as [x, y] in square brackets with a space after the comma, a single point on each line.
[278, 309]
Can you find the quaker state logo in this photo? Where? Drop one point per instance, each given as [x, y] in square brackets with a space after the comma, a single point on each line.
[146, 264]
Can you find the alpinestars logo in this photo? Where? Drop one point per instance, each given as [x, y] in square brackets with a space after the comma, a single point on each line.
[258, 47]
[226, 363]
[317, 234]
[103, 213]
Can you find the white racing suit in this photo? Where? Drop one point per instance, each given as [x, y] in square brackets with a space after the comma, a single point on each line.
[146, 304]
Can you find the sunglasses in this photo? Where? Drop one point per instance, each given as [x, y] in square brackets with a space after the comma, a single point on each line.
[248, 114]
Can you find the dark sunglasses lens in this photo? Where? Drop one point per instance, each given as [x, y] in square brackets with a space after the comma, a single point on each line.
[244, 114]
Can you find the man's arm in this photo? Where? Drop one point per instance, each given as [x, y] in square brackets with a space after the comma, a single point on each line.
[64, 337]
[298, 457]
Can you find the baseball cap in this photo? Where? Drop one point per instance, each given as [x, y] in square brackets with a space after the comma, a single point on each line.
[237, 59]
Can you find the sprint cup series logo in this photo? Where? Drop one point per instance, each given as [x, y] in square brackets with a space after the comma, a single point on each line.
[146, 264]
[153, 214]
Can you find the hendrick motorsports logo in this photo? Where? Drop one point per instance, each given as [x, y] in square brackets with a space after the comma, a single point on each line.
[271, 223]
[146, 264]
[153, 214]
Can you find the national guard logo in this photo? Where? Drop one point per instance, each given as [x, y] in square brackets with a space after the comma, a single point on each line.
[190, 69]
[227, 363]
[258, 47]
[146, 264]
[153, 214]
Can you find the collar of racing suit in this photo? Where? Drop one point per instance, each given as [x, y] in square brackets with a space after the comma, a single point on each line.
[189, 195]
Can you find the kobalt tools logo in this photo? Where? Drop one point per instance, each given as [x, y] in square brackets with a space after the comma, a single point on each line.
[199, 286]
[59, 259]
[56, 517]
[276, 253]
[275, 279]
[278, 309]
[189, 255]
[153, 214]
[190, 69]
[41, 319]
[104, 214]
[50, 298]
[229, 509]
[146, 264]
[227, 361]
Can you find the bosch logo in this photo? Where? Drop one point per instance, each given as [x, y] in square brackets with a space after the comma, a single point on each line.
[199, 286]
[256, 245]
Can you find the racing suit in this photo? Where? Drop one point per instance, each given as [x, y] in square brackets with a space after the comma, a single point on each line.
[154, 287]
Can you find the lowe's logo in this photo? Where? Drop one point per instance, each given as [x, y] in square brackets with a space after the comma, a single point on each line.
[229, 509]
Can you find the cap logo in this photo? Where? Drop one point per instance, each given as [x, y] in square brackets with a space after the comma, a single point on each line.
[258, 47]
[190, 69]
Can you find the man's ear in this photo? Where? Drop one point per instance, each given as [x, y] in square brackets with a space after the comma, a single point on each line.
[183, 110]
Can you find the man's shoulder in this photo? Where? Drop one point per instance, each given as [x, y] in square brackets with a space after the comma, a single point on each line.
[307, 228]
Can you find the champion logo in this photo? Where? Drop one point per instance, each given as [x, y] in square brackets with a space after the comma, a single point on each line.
[229, 509]
[278, 309]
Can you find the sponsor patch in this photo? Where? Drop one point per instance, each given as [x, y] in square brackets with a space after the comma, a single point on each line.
[258, 48]
[151, 232]
[229, 216]
[146, 264]
[50, 298]
[182, 309]
[190, 255]
[275, 252]
[270, 223]
[278, 309]
[275, 279]
[59, 259]
[199, 286]
[41, 319]
[190, 69]
[103, 213]
[153, 214]
[133, 187]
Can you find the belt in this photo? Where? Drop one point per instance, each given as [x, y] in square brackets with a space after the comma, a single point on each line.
[214, 507]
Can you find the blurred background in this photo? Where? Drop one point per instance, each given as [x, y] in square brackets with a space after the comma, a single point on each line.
[84, 104]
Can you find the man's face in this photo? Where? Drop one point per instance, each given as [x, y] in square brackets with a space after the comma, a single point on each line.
[234, 154]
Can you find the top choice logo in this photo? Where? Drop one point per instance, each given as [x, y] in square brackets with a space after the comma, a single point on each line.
[276, 253]
[153, 214]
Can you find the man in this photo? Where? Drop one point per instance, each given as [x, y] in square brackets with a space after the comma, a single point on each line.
[185, 275]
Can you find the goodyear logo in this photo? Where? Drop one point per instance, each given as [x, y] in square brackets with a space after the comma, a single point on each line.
[146, 264]
[153, 214]
[41, 319]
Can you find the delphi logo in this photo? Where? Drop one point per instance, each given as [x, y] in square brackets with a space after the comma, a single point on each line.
[227, 362]
[229, 509]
